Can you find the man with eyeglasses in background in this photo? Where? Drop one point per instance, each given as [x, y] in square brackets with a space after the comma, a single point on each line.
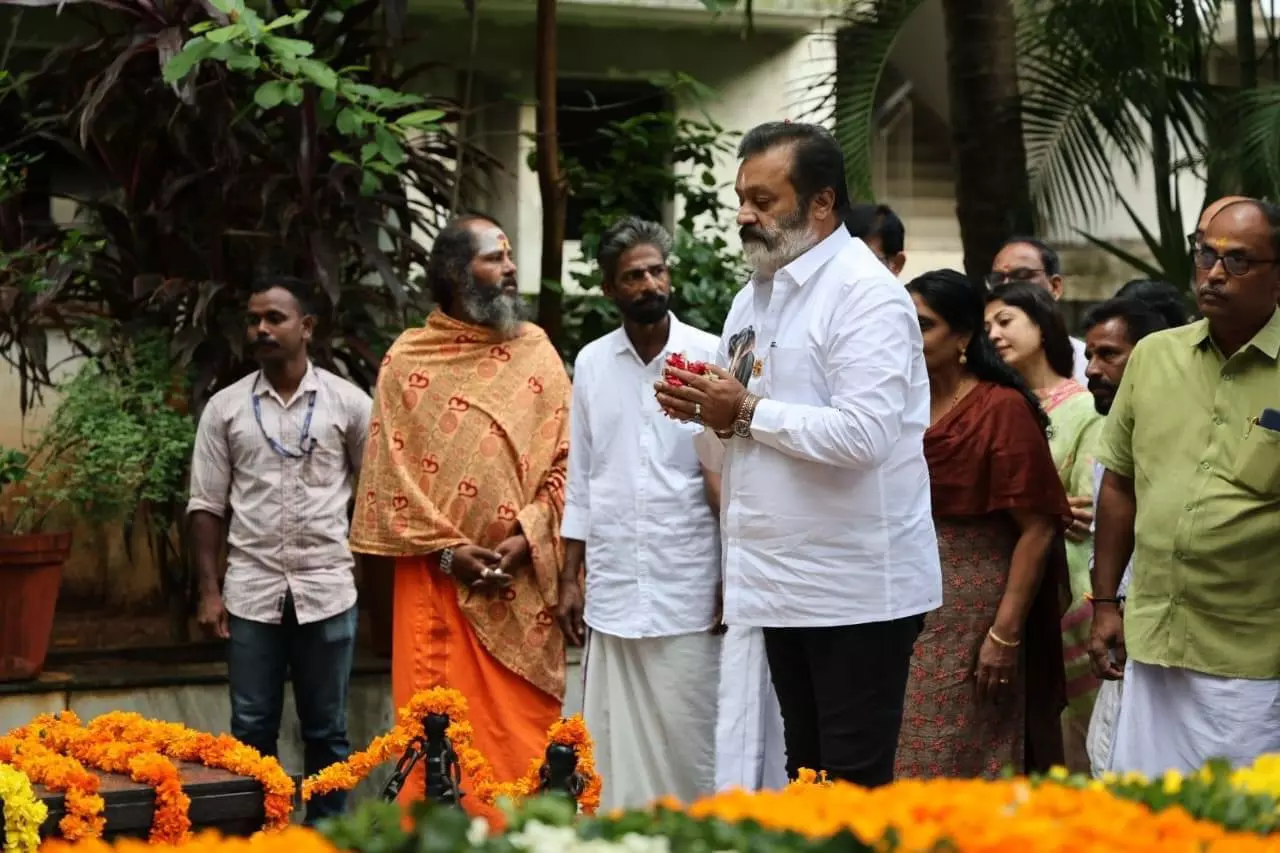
[1032, 260]
[275, 459]
[1191, 491]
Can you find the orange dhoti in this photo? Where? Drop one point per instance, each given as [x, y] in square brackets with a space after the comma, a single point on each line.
[434, 645]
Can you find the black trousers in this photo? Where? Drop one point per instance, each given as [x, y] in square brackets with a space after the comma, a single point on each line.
[841, 691]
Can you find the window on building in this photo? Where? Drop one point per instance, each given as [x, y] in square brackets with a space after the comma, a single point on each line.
[583, 109]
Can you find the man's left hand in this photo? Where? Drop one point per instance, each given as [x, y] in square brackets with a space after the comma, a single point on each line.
[713, 399]
[514, 551]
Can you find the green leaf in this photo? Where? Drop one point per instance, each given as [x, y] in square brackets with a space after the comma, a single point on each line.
[288, 20]
[222, 35]
[339, 157]
[369, 183]
[270, 94]
[293, 93]
[244, 62]
[291, 48]
[228, 7]
[421, 118]
[328, 100]
[183, 62]
[388, 146]
[319, 73]
[368, 151]
[203, 26]
[349, 122]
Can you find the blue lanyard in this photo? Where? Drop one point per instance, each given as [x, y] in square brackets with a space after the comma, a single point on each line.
[306, 443]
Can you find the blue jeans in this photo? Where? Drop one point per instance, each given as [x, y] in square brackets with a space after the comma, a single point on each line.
[317, 657]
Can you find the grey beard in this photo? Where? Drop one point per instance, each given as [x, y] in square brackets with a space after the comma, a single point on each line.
[492, 307]
[789, 244]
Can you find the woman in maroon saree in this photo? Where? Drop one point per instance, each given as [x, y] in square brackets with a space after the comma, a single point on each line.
[986, 688]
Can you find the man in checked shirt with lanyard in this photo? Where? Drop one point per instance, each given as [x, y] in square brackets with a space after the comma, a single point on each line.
[275, 458]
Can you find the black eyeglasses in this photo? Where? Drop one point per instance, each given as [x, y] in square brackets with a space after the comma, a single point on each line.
[306, 443]
[996, 279]
[1234, 263]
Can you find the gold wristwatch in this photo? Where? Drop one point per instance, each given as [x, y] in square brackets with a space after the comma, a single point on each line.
[741, 427]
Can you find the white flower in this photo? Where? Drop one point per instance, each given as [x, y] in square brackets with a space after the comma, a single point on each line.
[537, 837]
[478, 831]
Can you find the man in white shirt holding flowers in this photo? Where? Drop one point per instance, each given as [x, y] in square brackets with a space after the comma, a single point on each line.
[817, 428]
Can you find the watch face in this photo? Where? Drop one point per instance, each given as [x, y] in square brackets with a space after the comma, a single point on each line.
[742, 429]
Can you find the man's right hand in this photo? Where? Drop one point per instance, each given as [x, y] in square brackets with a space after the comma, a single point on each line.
[476, 566]
[1106, 639]
[212, 615]
[569, 610]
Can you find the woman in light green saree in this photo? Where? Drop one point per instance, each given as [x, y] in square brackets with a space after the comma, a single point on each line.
[1029, 333]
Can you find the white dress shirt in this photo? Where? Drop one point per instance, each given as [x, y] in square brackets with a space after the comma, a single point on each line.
[288, 524]
[825, 510]
[1080, 362]
[636, 496]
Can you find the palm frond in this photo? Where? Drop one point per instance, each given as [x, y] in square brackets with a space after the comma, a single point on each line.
[1258, 112]
[869, 30]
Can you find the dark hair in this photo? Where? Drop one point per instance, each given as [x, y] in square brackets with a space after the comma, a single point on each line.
[1140, 318]
[1034, 301]
[954, 298]
[451, 254]
[817, 162]
[302, 291]
[1049, 259]
[865, 221]
[1159, 296]
[626, 234]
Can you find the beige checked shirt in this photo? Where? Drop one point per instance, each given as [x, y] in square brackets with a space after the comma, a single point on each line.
[288, 524]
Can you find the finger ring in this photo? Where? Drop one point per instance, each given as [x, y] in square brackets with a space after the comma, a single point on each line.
[697, 412]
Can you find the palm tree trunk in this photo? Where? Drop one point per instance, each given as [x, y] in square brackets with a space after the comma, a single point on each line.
[550, 185]
[993, 197]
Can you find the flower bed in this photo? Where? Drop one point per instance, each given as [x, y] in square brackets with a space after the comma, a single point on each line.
[1213, 811]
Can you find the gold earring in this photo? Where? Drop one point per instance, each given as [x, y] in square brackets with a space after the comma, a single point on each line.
[963, 358]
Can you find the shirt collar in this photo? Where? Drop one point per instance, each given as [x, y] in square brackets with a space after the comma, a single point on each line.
[805, 267]
[310, 382]
[675, 334]
[1266, 341]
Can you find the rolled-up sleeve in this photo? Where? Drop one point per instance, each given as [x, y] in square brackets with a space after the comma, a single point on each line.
[359, 413]
[211, 463]
[577, 500]
[868, 360]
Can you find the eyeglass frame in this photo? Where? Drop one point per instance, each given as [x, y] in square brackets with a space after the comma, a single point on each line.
[1243, 262]
[999, 279]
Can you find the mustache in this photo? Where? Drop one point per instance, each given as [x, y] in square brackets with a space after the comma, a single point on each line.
[1096, 385]
[263, 343]
[755, 234]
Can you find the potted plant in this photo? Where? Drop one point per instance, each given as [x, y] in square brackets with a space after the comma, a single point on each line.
[30, 574]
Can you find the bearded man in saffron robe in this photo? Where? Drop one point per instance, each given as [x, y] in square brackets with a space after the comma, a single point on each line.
[463, 487]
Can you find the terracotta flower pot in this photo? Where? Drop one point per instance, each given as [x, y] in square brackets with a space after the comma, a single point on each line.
[30, 574]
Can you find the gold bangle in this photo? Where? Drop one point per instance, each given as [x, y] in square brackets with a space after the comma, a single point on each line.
[991, 632]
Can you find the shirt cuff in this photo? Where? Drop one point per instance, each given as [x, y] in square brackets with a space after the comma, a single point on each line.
[767, 421]
[201, 505]
[576, 523]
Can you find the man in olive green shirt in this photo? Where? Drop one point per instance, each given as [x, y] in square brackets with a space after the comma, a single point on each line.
[1192, 452]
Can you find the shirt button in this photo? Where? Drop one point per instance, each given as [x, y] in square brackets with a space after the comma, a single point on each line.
[1227, 378]
[1218, 421]
[1189, 507]
[1204, 466]
[1178, 555]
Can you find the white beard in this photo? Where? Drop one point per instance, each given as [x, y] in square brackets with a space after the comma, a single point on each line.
[788, 245]
[501, 311]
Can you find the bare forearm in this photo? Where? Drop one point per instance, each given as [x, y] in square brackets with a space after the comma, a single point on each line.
[207, 536]
[1026, 572]
[1113, 536]
[575, 551]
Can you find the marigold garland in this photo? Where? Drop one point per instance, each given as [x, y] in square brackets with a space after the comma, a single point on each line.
[179, 743]
[171, 821]
[293, 839]
[63, 775]
[345, 775]
[976, 815]
[23, 813]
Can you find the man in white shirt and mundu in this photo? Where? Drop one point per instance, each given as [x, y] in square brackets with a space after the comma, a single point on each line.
[818, 427]
[639, 512]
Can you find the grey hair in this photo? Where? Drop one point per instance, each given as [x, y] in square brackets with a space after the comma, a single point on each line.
[623, 236]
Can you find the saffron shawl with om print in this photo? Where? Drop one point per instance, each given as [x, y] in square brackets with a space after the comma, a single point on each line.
[469, 437]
